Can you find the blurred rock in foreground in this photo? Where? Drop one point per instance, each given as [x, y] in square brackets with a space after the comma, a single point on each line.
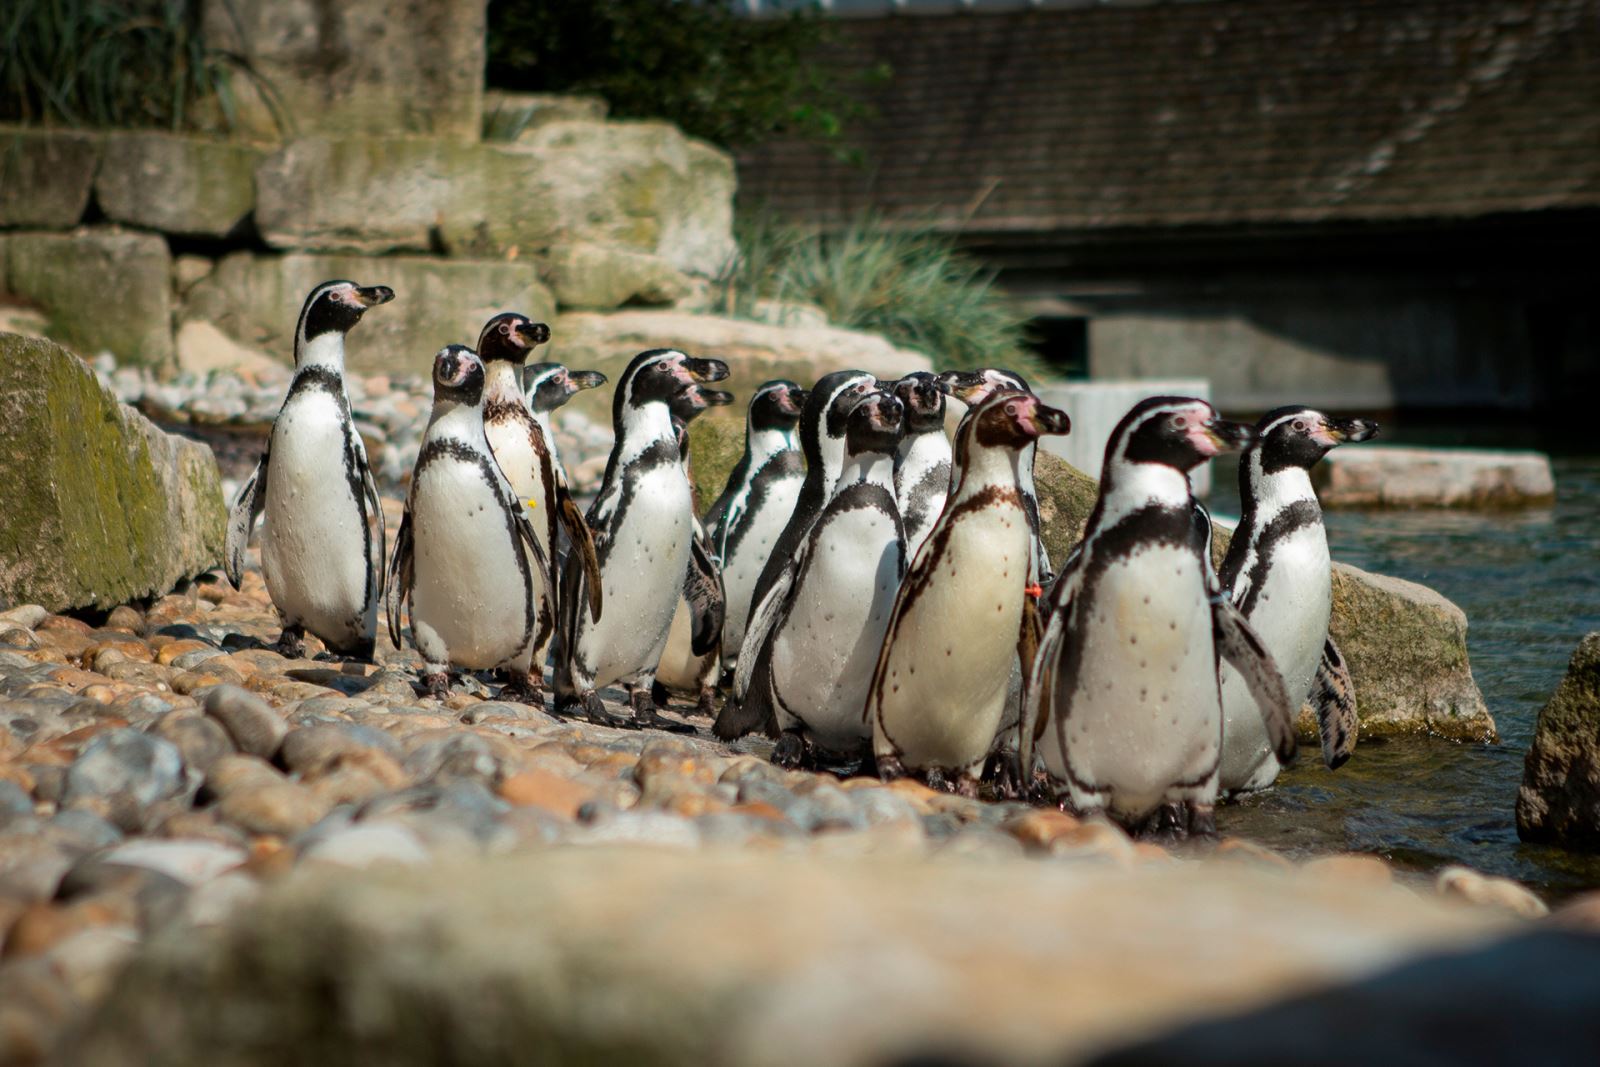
[617, 955]
[1560, 796]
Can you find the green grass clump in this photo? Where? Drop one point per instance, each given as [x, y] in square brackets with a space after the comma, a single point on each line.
[911, 284]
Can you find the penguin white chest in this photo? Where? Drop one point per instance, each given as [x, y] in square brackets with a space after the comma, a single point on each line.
[469, 592]
[1142, 713]
[314, 543]
[520, 462]
[757, 532]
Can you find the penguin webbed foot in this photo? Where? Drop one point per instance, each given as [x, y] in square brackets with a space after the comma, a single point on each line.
[706, 706]
[1003, 772]
[594, 709]
[292, 642]
[522, 688]
[645, 716]
[1202, 821]
[793, 751]
[1167, 825]
[659, 695]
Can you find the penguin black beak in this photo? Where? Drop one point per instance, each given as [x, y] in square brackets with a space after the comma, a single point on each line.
[1224, 436]
[533, 333]
[957, 383]
[705, 370]
[586, 379]
[716, 398]
[1350, 431]
[794, 400]
[1050, 420]
[373, 295]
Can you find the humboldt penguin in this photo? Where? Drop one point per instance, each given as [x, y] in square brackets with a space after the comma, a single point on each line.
[524, 449]
[466, 560]
[642, 522]
[692, 659]
[826, 613]
[1123, 698]
[754, 507]
[548, 386]
[961, 617]
[922, 464]
[322, 532]
[1278, 573]
[823, 422]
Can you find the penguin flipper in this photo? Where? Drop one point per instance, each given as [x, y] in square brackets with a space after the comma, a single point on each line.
[702, 589]
[398, 587]
[247, 507]
[369, 486]
[530, 541]
[583, 547]
[1333, 696]
[1239, 645]
[750, 708]
[1039, 675]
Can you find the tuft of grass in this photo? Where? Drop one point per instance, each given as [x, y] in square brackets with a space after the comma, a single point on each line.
[912, 284]
[138, 63]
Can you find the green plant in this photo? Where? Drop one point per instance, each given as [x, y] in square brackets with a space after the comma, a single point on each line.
[111, 63]
[910, 283]
[728, 78]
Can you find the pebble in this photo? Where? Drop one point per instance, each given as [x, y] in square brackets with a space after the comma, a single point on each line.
[282, 808]
[126, 765]
[368, 843]
[256, 729]
[200, 741]
[1467, 885]
[311, 749]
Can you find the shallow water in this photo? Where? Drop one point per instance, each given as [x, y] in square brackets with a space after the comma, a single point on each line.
[1529, 582]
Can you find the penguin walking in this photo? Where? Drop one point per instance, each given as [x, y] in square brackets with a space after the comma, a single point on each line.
[466, 559]
[693, 657]
[922, 464]
[524, 449]
[746, 519]
[1123, 698]
[823, 423]
[1277, 573]
[548, 386]
[830, 606]
[960, 619]
[323, 570]
[642, 522]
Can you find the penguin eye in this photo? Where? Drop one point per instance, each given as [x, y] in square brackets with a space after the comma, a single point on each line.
[1179, 421]
[1013, 408]
[1302, 425]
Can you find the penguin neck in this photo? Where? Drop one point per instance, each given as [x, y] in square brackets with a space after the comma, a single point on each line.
[500, 385]
[764, 444]
[641, 426]
[987, 467]
[1263, 495]
[874, 468]
[1127, 487]
[833, 463]
[923, 449]
[463, 422]
[325, 351]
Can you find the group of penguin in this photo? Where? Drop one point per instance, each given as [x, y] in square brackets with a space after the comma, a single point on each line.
[865, 589]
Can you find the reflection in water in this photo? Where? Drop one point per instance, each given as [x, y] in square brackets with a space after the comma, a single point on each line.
[1529, 582]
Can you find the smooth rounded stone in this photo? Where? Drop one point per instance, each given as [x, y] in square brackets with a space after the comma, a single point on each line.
[394, 686]
[1038, 829]
[126, 763]
[282, 808]
[31, 867]
[744, 830]
[89, 959]
[201, 825]
[463, 805]
[1241, 850]
[215, 902]
[144, 705]
[979, 843]
[201, 741]
[489, 710]
[256, 728]
[27, 616]
[638, 827]
[883, 806]
[189, 861]
[35, 1003]
[547, 791]
[367, 843]
[1096, 840]
[825, 807]
[884, 839]
[1467, 885]
[190, 661]
[81, 831]
[232, 774]
[14, 802]
[19, 638]
[310, 749]
[1351, 867]
[49, 781]
[125, 617]
[348, 785]
[452, 757]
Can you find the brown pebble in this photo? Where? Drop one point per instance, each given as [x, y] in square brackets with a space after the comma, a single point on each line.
[232, 773]
[126, 618]
[543, 789]
[43, 925]
[280, 808]
[760, 809]
[1354, 868]
[63, 624]
[1237, 848]
[1039, 829]
[172, 650]
[1467, 885]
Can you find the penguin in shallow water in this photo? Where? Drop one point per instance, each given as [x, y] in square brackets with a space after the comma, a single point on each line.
[922, 463]
[693, 656]
[829, 608]
[525, 451]
[823, 423]
[642, 522]
[322, 532]
[548, 386]
[1278, 573]
[1123, 698]
[466, 559]
[940, 686]
[746, 519]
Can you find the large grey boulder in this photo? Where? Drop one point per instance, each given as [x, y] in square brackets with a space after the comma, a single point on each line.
[1560, 796]
[97, 505]
[102, 288]
[176, 183]
[658, 956]
[256, 301]
[355, 67]
[45, 176]
[642, 186]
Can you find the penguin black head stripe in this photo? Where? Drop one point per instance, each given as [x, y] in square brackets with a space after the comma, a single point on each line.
[923, 399]
[1301, 436]
[776, 405]
[511, 337]
[458, 375]
[1010, 420]
[1174, 431]
[828, 409]
[549, 385]
[874, 424]
[974, 386]
[336, 306]
[655, 376]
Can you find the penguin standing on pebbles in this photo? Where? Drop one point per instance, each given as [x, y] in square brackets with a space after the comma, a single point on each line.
[548, 386]
[693, 656]
[940, 685]
[642, 521]
[523, 449]
[1278, 573]
[922, 464]
[823, 423]
[1123, 698]
[829, 608]
[323, 570]
[466, 558]
[755, 505]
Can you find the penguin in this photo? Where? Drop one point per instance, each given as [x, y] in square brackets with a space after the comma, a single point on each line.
[922, 464]
[466, 560]
[548, 386]
[642, 522]
[746, 519]
[960, 619]
[1123, 698]
[323, 570]
[831, 604]
[523, 448]
[693, 656]
[1277, 573]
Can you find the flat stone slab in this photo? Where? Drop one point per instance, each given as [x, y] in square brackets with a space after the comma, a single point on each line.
[45, 176]
[1095, 409]
[1396, 477]
[176, 183]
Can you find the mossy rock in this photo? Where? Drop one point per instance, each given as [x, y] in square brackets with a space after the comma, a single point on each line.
[98, 506]
[1560, 796]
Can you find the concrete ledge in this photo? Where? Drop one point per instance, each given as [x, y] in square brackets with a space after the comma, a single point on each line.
[1097, 407]
[1434, 477]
